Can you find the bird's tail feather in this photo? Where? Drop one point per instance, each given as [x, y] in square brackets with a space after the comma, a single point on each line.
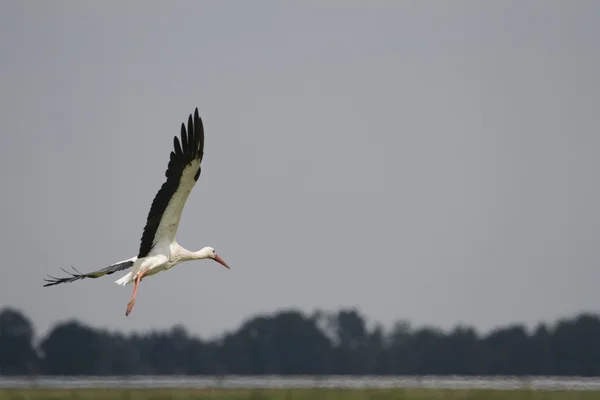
[125, 279]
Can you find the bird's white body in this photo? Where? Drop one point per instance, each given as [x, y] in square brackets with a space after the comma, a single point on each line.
[159, 251]
[155, 263]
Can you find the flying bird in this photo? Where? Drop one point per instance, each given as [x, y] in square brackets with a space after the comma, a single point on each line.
[159, 251]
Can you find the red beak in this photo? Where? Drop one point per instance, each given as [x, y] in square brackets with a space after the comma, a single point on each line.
[220, 261]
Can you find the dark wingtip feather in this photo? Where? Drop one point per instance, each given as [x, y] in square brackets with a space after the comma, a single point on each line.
[75, 269]
[191, 134]
[199, 130]
[55, 281]
[177, 146]
[67, 272]
[200, 134]
[51, 281]
[183, 137]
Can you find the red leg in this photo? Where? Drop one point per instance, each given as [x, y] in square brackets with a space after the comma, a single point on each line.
[135, 289]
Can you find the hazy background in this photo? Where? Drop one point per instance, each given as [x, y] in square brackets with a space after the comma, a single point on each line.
[434, 161]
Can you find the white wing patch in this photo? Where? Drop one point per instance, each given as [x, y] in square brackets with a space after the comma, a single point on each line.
[167, 228]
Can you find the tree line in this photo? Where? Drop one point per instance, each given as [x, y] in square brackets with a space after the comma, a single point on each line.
[289, 342]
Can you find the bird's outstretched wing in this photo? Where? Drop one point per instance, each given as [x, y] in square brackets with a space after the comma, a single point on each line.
[111, 269]
[182, 173]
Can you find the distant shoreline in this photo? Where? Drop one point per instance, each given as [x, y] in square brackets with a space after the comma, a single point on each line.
[166, 382]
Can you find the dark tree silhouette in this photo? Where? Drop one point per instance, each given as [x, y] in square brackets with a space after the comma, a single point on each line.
[289, 342]
[74, 349]
[17, 353]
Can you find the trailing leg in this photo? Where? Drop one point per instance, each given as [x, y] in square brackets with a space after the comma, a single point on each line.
[135, 289]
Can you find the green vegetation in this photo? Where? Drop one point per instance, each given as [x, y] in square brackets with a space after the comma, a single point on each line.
[295, 394]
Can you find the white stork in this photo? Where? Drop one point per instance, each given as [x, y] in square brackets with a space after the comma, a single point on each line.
[159, 251]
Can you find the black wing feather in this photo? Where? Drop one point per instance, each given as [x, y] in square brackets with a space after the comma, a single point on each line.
[177, 146]
[192, 138]
[190, 148]
[184, 141]
[96, 274]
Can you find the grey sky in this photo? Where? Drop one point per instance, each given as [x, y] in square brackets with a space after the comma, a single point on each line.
[434, 161]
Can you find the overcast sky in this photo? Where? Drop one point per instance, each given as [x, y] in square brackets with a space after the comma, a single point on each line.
[430, 161]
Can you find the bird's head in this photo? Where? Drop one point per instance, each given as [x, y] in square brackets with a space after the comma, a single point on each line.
[209, 252]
